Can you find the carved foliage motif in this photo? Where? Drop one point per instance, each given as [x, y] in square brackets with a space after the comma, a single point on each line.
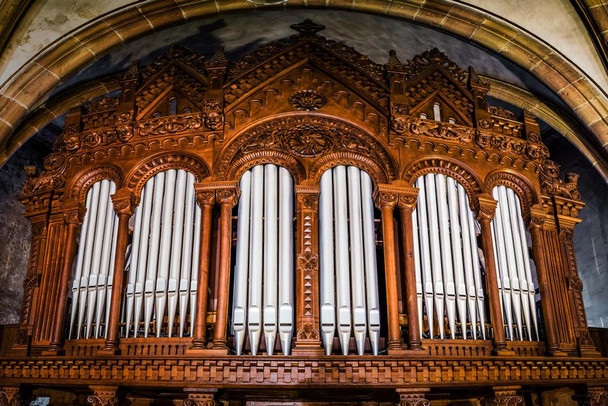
[170, 125]
[10, 396]
[413, 399]
[512, 145]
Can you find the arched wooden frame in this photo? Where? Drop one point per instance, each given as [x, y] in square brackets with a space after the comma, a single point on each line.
[254, 159]
[450, 167]
[159, 163]
[233, 162]
[87, 178]
[521, 186]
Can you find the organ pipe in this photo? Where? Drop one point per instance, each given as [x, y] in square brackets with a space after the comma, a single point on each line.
[286, 261]
[264, 260]
[175, 262]
[327, 252]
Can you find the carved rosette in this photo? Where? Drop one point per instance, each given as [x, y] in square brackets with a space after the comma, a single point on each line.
[307, 100]
[103, 396]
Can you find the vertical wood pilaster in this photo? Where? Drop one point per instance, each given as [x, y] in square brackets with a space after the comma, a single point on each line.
[205, 198]
[407, 204]
[124, 205]
[227, 198]
[73, 216]
[386, 200]
[485, 214]
[308, 339]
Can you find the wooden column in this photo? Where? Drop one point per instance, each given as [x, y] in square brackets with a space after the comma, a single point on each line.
[103, 395]
[486, 211]
[308, 339]
[407, 204]
[124, 205]
[73, 218]
[537, 220]
[205, 199]
[386, 200]
[567, 218]
[227, 198]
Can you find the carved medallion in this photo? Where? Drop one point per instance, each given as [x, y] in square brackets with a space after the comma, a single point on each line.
[307, 100]
[306, 140]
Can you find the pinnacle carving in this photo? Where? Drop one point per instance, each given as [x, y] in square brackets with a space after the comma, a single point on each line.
[308, 27]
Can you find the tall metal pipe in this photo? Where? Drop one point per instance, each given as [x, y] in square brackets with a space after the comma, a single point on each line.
[254, 322]
[326, 253]
[270, 255]
[286, 260]
[241, 267]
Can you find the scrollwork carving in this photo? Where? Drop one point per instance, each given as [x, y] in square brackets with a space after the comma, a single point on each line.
[103, 396]
[438, 129]
[170, 125]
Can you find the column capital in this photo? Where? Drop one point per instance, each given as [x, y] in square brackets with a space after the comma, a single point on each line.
[503, 396]
[408, 197]
[590, 396]
[413, 396]
[227, 196]
[10, 396]
[124, 201]
[73, 212]
[103, 395]
[307, 197]
[387, 195]
[205, 194]
[486, 207]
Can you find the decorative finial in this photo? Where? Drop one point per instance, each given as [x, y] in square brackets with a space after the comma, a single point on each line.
[218, 58]
[393, 61]
[307, 27]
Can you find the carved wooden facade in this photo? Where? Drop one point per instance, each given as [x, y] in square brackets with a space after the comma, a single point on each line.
[307, 104]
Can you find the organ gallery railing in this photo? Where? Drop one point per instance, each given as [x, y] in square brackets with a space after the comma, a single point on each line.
[301, 202]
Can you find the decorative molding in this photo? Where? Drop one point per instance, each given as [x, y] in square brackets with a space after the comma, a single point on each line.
[518, 184]
[103, 395]
[87, 178]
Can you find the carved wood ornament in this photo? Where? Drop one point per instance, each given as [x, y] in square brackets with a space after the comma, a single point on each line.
[308, 104]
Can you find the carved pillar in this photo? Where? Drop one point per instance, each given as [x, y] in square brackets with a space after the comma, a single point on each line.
[386, 200]
[591, 396]
[503, 396]
[103, 395]
[407, 204]
[413, 397]
[308, 339]
[10, 396]
[487, 209]
[124, 205]
[205, 199]
[535, 226]
[227, 198]
[73, 217]
[567, 210]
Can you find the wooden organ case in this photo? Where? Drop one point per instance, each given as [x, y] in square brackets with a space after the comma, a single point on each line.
[303, 218]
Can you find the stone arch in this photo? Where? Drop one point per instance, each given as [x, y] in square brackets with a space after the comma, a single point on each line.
[519, 184]
[35, 80]
[156, 164]
[84, 180]
[446, 166]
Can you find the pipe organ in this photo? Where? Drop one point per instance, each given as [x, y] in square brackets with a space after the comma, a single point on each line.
[516, 284]
[301, 219]
[448, 276]
[162, 277]
[262, 303]
[348, 270]
[92, 281]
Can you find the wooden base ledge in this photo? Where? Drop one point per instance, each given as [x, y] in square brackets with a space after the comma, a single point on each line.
[223, 371]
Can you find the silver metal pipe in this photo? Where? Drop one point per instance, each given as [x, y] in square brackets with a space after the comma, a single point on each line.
[326, 253]
[187, 272]
[435, 242]
[254, 322]
[468, 246]
[241, 267]
[142, 260]
[446, 251]
[425, 253]
[456, 240]
[357, 272]
[371, 270]
[176, 247]
[150, 282]
[342, 261]
[270, 255]
[286, 260]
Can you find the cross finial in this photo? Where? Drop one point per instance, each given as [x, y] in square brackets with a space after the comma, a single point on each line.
[308, 27]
